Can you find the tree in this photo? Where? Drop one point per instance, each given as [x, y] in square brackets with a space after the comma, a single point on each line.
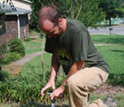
[36, 5]
[84, 10]
[112, 8]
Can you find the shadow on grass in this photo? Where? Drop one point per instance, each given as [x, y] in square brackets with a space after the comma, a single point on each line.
[117, 51]
[34, 104]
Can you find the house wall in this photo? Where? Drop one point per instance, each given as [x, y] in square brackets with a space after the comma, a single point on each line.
[24, 26]
[22, 4]
[2, 25]
[10, 28]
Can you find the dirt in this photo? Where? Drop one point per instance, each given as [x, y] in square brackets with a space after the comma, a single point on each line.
[110, 90]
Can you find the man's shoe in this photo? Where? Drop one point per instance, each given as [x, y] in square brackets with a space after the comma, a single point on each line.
[109, 102]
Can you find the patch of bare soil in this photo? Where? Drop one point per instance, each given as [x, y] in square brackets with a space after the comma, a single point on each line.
[110, 90]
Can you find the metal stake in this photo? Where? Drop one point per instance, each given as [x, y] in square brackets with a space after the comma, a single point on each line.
[52, 101]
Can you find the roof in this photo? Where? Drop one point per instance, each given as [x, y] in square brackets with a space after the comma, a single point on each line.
[13, 11]
[3, 9]
[27, 1]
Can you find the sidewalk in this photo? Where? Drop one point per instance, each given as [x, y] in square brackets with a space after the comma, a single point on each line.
[119, 30]
[15, 67]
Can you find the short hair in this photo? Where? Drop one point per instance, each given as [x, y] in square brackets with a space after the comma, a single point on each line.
[50, 13]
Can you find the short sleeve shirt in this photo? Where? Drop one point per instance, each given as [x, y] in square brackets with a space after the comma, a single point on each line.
[75, 45]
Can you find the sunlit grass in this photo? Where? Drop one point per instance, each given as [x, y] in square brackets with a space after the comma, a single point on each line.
[109, 39]
[34, 65]
[114, 55]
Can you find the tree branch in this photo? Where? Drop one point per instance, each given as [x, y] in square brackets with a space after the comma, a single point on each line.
[79, 11]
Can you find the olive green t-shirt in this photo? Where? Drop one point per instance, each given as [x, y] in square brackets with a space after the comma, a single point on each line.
[74, 45]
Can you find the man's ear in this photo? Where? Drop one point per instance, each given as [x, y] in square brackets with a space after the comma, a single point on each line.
[60, 21]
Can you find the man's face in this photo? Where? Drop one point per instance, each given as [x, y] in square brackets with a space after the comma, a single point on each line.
[50, 29]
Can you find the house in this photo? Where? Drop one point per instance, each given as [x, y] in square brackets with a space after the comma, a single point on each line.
[15, 23]
[26, 4]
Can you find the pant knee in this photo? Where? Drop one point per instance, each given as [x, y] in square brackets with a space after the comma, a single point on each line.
[71, 84]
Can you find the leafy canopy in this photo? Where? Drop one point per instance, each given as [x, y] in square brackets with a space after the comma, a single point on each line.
[84, 10]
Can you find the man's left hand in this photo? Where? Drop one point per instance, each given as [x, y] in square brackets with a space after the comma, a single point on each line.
[57, 93]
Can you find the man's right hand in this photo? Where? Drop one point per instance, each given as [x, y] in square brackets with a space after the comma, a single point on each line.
[48, 85]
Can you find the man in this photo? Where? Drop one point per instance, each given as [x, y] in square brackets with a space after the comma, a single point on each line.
[71, 46]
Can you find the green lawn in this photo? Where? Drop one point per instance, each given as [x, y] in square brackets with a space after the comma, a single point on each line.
[109, 39]
[113, 54]
[32, 44]
[34, 65]
[118, 98]
[29, 51]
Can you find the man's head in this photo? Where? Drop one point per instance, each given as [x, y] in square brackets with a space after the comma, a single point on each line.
[50, 21]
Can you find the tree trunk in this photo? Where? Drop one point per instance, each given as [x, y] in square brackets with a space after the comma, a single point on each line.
[42, 61]
[56, 3]
[109, 21]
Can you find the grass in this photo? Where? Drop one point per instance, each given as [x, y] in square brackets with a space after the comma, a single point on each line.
[34, 33]
[119, 98]
[32, 44]
[32, 47]
[34, 65]
[29, 51]
[113, 54]
[108, 39]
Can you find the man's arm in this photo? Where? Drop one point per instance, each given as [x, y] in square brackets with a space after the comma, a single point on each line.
[75, 68]
[54, 69]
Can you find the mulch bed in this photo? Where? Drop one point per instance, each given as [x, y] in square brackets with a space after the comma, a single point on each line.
[110, 90]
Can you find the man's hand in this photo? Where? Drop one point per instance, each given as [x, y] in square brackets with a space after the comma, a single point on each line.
[48, 85]
[57, 93]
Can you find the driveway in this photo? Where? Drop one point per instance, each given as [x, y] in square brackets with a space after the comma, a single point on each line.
[115, 30]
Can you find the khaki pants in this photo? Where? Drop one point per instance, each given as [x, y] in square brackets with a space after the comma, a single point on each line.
[81, 84]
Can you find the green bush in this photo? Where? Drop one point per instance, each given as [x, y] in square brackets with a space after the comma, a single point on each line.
[27, 38]
[4, 75]
[10, 57]
[116, 79]
[3, 50]
[17, 46]
[24, 89]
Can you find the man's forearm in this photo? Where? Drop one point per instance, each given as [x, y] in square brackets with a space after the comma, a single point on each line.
[75, 68]
[54, 67]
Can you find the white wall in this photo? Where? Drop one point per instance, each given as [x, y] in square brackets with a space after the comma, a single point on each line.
[19, 3]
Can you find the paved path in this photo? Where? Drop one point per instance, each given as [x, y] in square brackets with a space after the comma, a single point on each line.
[15, 67]
[105, 30]
[26, 58]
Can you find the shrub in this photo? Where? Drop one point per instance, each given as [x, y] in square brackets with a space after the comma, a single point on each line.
[27, 38]
[24, 89]
[3, 50]
[17, 46]
[10, 57]
[4, 75]
[116, 79]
